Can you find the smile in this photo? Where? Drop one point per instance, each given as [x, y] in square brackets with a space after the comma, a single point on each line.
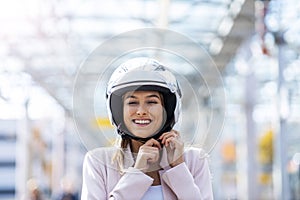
[142, 121]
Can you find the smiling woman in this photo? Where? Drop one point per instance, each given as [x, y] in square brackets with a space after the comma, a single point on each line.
[144, 103]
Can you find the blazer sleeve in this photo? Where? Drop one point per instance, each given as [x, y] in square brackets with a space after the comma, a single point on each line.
[191, 179]
[132, 185]
[93, 186]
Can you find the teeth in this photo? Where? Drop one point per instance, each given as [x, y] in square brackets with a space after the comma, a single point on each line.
[142, 121]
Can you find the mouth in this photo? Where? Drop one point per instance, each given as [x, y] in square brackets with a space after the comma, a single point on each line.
[142, 122]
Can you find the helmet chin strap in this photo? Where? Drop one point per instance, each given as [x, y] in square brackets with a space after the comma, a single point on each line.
[127, 134]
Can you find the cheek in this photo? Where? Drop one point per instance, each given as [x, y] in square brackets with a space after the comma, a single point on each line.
[158, 112]
[128, 111]
[126, 115]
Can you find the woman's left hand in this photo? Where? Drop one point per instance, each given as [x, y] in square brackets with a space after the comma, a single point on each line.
[174, 146]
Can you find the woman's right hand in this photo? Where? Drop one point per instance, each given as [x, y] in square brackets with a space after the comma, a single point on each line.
[148, 155]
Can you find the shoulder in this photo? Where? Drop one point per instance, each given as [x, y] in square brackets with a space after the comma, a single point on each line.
[196, 157]
[195, 152]
[100, 155]
[102, 151]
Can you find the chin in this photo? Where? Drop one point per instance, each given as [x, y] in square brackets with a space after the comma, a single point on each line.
[142, 134]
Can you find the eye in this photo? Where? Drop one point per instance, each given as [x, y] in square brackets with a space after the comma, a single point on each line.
[152, 102]
[132, 103]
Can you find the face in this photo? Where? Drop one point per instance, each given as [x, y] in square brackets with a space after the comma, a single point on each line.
[143, 112]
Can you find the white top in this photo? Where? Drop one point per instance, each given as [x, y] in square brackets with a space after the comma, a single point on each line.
[154, 192]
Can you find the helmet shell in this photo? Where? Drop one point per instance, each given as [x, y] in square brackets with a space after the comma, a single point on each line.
[143, 74]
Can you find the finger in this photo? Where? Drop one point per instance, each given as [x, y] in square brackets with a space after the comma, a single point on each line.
[149, 149]
[170, 140]
[151, 156]
[146, 154]
[142, 161]
[164, 136]
[174, 141]
[153, 143]
[172, 132]
[168, 135]
[176, 132]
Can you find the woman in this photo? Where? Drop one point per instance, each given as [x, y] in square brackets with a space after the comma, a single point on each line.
[144, 100]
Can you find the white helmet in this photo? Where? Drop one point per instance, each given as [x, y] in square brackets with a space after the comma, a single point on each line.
[143, 74]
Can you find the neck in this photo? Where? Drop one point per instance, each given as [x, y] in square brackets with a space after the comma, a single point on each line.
[135, 145]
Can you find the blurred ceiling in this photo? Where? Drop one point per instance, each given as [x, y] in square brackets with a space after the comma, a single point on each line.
[49, 39]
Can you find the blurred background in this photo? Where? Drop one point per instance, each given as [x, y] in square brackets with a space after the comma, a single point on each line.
[254, 44]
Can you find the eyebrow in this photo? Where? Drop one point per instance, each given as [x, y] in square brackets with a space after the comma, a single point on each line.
[149, 96]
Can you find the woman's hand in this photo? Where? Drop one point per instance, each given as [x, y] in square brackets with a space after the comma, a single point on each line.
[174, 146]
[148, 156]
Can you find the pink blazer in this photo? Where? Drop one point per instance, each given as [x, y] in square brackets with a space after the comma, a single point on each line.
[190, 180]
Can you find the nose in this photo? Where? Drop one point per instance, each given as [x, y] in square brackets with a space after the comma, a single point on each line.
[141, 110]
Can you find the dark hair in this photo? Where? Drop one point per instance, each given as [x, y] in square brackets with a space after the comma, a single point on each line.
[125, 142]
